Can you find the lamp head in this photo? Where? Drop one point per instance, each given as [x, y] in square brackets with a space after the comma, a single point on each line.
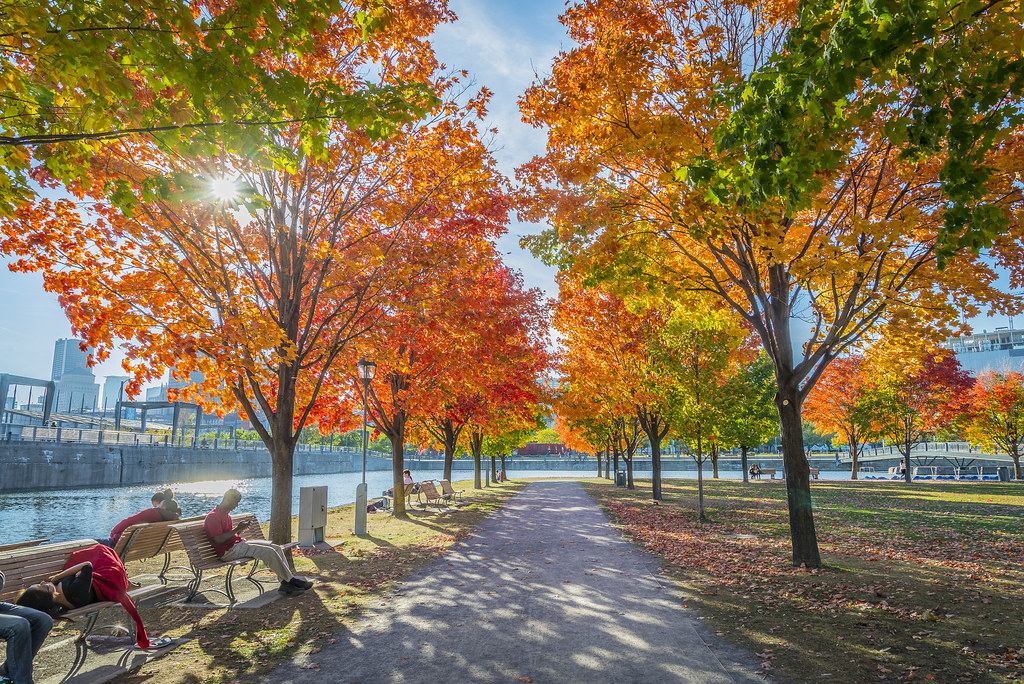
[366, 370]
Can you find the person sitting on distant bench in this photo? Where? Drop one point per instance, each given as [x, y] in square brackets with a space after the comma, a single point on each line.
[164, 508]
[410, 485]
[755, 471]
[24, 629]
[229, 546]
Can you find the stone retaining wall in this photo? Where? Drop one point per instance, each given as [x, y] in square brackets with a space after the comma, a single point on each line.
[41, 465]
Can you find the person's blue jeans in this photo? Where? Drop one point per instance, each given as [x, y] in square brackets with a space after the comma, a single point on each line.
[24, 629]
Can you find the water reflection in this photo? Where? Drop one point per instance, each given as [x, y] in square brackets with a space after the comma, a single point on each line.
[89, 513]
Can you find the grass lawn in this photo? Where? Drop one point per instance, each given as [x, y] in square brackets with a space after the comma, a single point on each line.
[921, 582]
[240, 644]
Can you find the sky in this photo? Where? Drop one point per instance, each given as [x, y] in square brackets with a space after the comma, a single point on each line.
[504, 44]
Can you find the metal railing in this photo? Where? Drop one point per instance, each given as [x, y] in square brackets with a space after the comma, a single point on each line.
[69, 435]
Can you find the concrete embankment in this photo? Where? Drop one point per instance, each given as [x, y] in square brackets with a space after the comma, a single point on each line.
[42, 465]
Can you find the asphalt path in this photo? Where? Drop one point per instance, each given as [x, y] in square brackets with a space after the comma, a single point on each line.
[544, 591]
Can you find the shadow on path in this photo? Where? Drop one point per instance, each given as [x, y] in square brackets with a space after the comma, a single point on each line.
[546, 590]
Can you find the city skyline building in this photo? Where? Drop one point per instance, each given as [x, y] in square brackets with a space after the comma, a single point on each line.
[1001, 350]
[68, 356]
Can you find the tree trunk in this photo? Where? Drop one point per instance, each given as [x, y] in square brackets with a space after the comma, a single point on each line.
[656, 469]
[714, 461]
[607, 466]
[798, 478]
[476, 444]
[743, 463]
[599, 463]
[449, 456]
[398, 463]
[282, 457]
[629, 473]
[908, 477]
[504, 472]
[854, 458]
[494, 469]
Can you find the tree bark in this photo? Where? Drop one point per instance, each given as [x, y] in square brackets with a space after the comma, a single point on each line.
[599, 463]
[854, 459]
[714, 460]
[282, 456]
[494, 469]
[504, 472]
[476, 444]
[743, 463]
[798, 479]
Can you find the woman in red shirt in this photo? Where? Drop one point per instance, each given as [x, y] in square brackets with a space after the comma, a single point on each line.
[164, 508]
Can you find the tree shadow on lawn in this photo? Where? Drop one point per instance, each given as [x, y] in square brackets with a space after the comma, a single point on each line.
[942, 610]
[239, 644]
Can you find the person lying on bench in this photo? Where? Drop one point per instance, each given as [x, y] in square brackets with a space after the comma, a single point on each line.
[24, 629]
[164, 508]
[90, 575]
[229, 546]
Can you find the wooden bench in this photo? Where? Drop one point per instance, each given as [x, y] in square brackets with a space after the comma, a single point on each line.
[202, 557]
[36, 564]
[815, 472]
[23, 544]
[148, 540]
[767, 471]
[429, 492]
[446, 488]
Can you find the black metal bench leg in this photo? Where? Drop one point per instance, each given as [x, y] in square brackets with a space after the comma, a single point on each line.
[193, 586]
[90, 623]
[227, 585]
[252, 579]
[163, 570]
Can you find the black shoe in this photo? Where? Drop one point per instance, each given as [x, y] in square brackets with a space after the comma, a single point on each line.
[301, 583]
[289, 589]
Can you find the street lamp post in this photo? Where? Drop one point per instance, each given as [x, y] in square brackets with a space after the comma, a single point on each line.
[366, 370]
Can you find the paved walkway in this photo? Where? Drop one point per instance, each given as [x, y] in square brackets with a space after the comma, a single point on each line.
[545, 591]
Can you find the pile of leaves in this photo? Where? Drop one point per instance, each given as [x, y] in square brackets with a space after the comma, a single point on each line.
[920, 581]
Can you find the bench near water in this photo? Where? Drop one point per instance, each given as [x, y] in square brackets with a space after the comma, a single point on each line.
[30, 565]
[202, 557]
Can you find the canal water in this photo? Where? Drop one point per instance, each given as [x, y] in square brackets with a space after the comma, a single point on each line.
[90, 513]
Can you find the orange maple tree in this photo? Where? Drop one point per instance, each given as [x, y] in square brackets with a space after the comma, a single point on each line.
[632, 112]
[264, 294]
[837, 404]
[994, 414]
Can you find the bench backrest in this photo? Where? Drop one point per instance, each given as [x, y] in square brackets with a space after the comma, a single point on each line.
[447, 488]
[196, 542]
[147, 540]
[31, 565]
[767, 471]
[22, 544]
[429, 490]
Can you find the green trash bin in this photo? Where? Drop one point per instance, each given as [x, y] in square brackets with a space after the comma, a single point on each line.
[1004, 473]
[620, 478]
